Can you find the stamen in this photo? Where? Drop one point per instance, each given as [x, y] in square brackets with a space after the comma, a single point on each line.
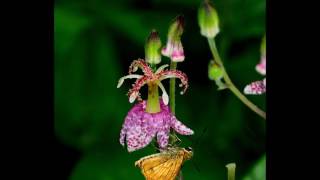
[161, 68]
[131, 76]
[165, 96]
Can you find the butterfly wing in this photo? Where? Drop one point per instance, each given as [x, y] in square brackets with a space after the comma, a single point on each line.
[161, 166]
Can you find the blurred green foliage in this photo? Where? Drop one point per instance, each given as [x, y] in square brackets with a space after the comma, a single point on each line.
[96, 40]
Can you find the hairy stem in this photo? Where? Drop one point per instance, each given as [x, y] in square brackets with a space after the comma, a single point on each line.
[230, 84]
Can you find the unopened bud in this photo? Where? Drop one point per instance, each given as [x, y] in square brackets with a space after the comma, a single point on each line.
[152, 48]
[208, 20]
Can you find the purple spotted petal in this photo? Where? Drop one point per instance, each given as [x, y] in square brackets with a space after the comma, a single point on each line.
[141, 127]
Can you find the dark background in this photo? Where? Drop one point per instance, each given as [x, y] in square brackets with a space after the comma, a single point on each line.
[95, 42]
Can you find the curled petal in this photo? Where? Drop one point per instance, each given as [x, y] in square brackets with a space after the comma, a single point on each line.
[179, 127]
[257, 87]
[121, 80]
[175, 74]
[165, 97]
[134, 91]
[140, 63]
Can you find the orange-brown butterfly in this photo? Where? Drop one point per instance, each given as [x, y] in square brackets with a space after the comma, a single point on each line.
[164, 165]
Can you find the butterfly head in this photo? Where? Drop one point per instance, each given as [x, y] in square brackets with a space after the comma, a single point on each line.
[188, 153]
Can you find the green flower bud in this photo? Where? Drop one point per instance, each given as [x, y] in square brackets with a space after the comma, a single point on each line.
[153, 48]
[208, 20]
[214, 71]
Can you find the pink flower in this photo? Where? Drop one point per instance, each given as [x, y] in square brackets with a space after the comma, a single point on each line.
[141, 127]
[258, 87]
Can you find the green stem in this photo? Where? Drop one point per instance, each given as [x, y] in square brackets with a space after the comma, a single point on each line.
[231, 171]
[230, 84]
[172, 100]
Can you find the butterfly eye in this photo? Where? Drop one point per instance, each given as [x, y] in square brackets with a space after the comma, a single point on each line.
[189, 149]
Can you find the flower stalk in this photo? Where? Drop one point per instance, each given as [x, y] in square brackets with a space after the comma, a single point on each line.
[229, 83]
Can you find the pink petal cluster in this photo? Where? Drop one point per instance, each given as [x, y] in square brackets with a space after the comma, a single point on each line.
[141, 127]
[174, 50]
[258, 87]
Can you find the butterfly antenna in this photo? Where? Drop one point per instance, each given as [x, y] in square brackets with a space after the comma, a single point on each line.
[197, 142]
[195, 165]
[251, 132]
